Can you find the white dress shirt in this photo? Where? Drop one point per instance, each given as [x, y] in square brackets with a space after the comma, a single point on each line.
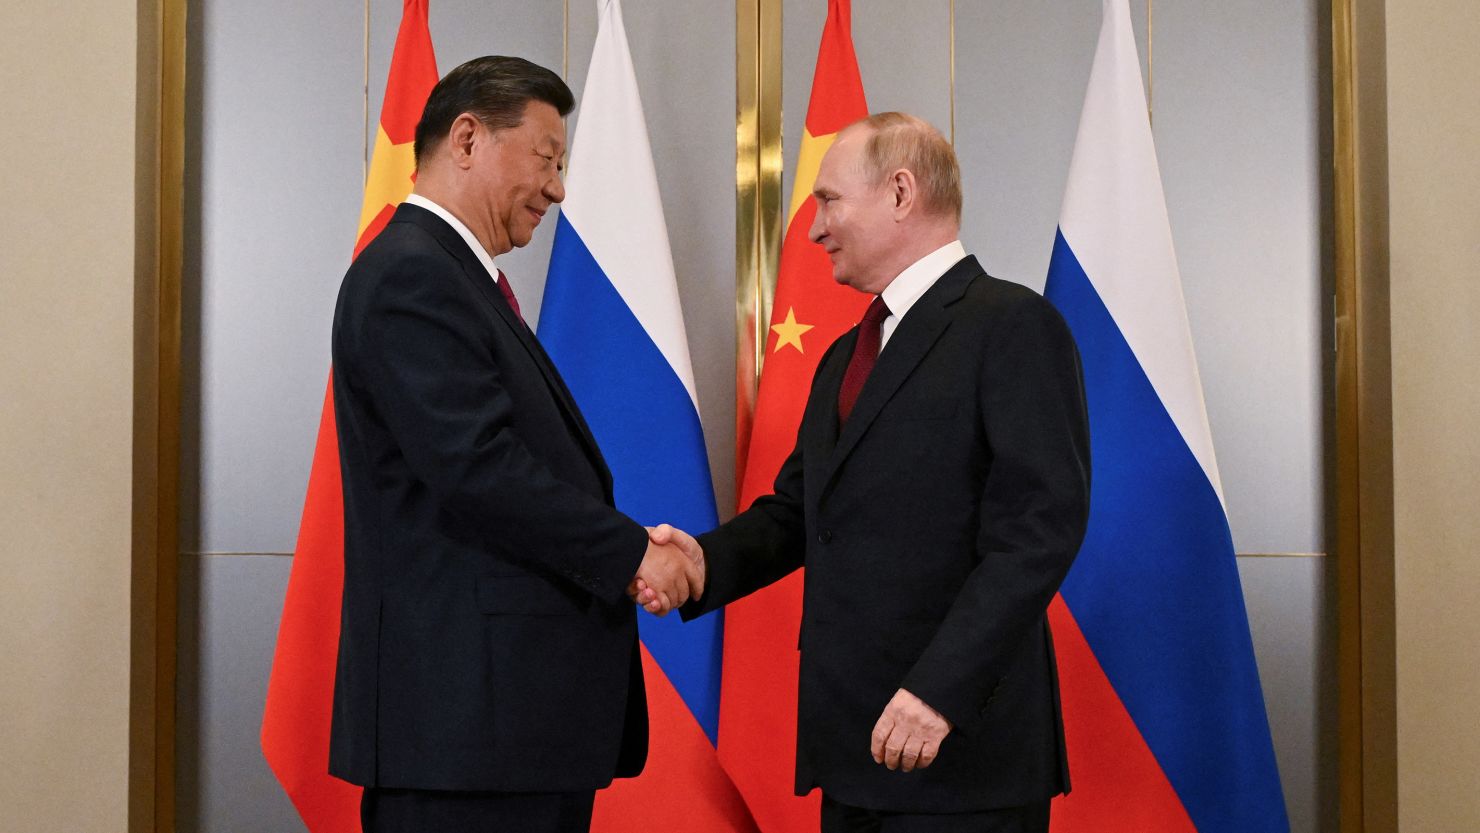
[909, 285]
[483, 256]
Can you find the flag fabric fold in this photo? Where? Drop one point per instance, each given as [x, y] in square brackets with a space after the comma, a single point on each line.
[612, 323]
[1164, 715]
[758, 707]
[300, 690]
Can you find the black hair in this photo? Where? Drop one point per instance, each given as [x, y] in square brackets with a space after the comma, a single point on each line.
[495, 89]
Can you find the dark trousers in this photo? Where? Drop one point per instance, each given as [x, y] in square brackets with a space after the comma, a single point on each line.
[843, 818]
[429, 811]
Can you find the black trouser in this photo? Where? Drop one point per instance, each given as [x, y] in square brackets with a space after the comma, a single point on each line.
[430, 811]
[843, 818]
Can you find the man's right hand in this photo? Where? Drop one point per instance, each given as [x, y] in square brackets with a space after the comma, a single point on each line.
[667, 578]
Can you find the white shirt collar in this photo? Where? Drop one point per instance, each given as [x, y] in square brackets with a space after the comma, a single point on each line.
[915, 280]
[457, 225]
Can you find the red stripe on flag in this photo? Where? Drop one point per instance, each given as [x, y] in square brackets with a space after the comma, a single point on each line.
[757, 706]
[300, 693]
[683, 786]
[837, 88]
[1118, 785]
[414, 68]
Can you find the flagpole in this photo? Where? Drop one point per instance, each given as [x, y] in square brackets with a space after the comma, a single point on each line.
[1150, 73]
[953, 73]
[365, 112]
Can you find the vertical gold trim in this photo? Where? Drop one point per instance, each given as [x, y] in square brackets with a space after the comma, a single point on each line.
[1366, 659]
[159, 252]
[1150, 68]
[953, 73]
[758, 211]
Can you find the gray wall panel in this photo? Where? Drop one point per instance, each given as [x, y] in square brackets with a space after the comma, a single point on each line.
[1292, 616]
[904, 56]
[1237, 121]
[229, 607]
[279, 192]
[1021, 70]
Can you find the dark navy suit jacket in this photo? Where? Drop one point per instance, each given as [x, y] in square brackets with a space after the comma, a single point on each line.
[487, 642]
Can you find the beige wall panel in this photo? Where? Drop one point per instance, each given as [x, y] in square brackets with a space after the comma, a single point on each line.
[1433, 118]
[66, 369]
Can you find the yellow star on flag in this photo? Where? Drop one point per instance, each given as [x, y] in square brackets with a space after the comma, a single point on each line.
[789, 331]
[389, 180]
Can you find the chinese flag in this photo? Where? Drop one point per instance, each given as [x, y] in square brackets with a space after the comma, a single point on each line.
[758, 701]
[300, 693]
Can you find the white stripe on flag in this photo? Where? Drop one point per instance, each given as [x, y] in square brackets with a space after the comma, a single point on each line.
[612, 176]
[1114, 218]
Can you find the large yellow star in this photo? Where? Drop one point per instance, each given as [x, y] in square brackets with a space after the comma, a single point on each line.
[789, 331]
[389, 180]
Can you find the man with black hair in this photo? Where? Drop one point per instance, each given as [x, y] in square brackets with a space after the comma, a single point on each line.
[488, 674]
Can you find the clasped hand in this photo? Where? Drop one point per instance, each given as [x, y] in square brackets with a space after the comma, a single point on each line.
[671, 573]
[907, 735]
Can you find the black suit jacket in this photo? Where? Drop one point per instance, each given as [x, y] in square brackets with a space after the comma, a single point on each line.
[487, 642]
[935, 529]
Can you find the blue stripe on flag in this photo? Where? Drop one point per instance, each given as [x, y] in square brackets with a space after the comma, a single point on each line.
[1155, 587]
[649, 432]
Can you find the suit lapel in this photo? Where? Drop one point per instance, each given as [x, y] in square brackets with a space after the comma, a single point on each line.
[819, 432]
[478, 276]
[921, 327]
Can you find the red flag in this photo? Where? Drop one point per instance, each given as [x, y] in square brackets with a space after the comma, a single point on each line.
[758, 700]
[300, 693]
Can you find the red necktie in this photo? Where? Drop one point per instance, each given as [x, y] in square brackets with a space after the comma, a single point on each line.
[503, 285]
[865, 353]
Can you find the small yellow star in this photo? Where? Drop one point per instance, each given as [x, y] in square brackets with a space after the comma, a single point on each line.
[790, 332]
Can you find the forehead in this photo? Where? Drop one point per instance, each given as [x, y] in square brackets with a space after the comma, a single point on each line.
[843, 161]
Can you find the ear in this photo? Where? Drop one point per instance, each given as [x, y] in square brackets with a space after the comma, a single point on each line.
[904, 192]
[461, 137]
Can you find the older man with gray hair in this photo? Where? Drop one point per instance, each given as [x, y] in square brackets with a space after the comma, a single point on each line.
[937, 494]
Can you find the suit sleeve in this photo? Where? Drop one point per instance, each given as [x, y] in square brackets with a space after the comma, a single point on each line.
[1034, 508]
[766, 542]
[429, 371]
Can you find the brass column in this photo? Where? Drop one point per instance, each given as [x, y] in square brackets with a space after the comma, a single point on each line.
[758, 211]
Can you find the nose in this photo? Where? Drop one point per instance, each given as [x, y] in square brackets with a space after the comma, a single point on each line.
[818, 230]
[555, 189]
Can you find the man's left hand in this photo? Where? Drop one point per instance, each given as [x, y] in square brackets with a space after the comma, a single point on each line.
[909, 733]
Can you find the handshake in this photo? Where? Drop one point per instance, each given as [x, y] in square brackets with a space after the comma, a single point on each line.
[672, 571]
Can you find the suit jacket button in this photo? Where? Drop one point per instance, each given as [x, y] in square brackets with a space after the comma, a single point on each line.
[825, 536]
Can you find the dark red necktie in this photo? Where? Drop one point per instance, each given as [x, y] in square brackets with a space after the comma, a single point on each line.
[865, 353]
[503, 285]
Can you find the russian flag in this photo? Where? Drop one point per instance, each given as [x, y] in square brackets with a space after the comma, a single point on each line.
[611, 321]
[1164, 715]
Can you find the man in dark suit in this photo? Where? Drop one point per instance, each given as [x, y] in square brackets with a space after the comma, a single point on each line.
[488, 672]
[937, 494]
